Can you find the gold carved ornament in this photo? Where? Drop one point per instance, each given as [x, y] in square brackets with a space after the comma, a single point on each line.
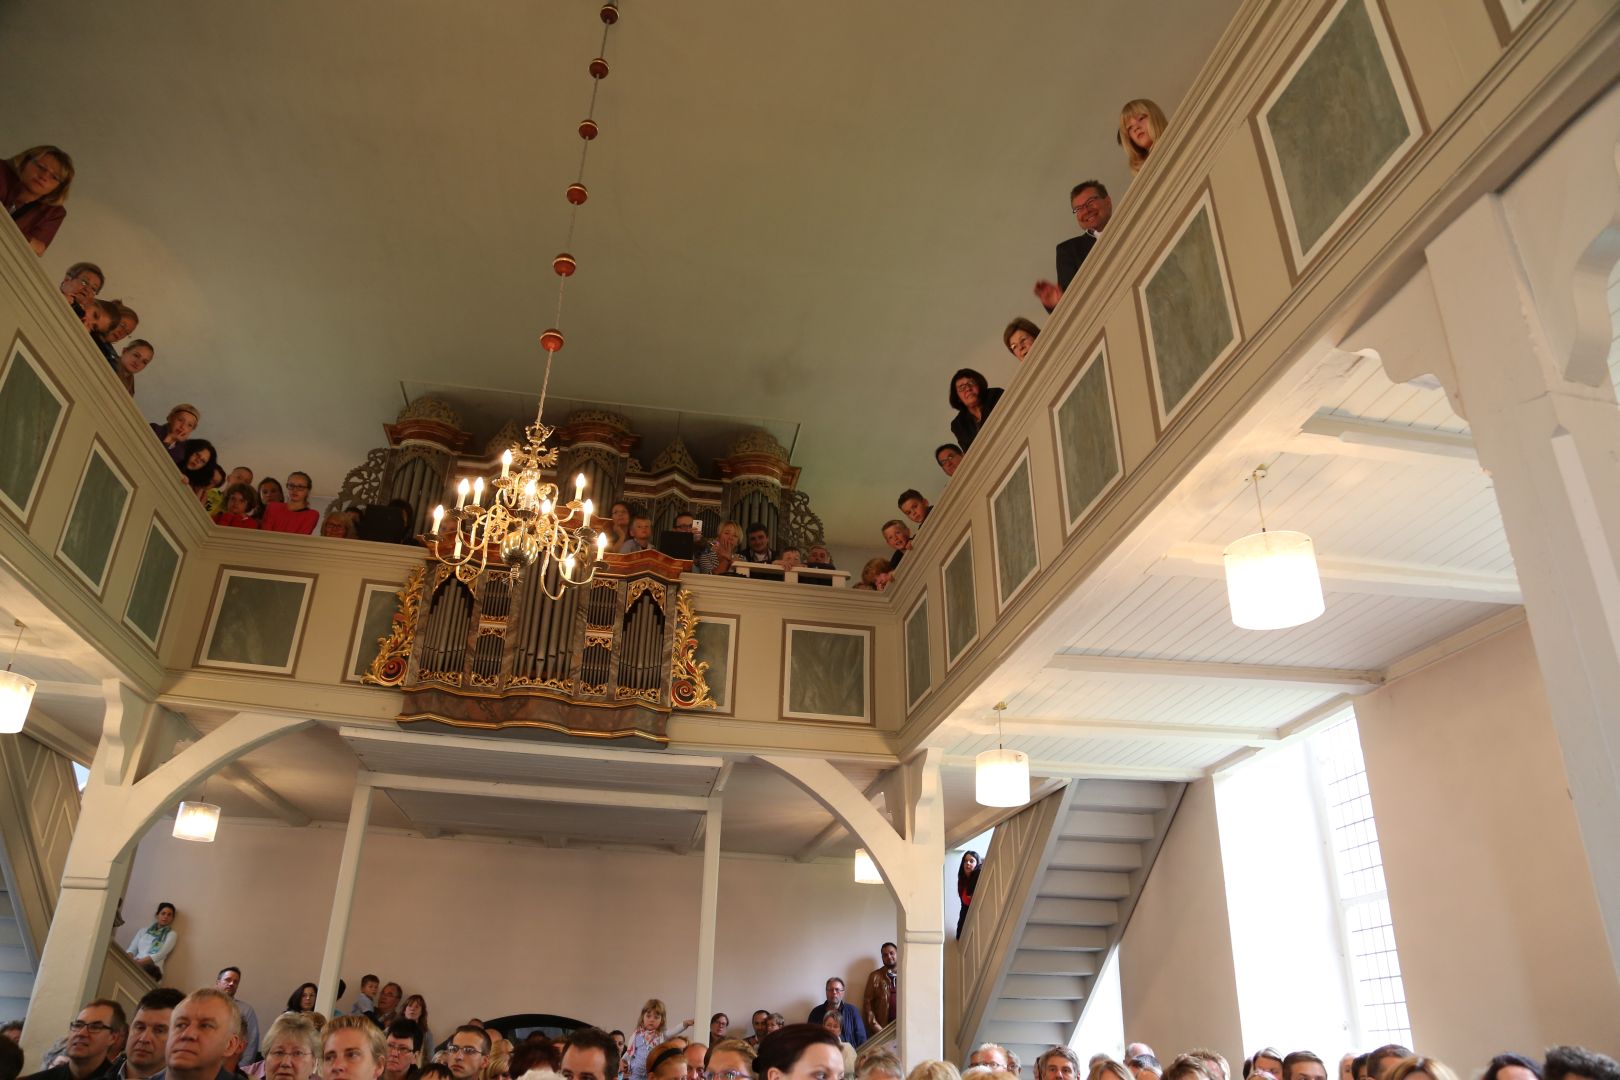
[394, 651]
[688, 687]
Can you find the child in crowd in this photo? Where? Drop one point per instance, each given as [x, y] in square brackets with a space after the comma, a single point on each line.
[366, 1000]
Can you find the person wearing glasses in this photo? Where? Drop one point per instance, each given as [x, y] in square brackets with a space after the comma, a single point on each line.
[729, 1059]
[95, 1038]
[34, 186]
[81, 284]
[1092, 208]
[294, 516]
[292, 1048]
[467, 1052]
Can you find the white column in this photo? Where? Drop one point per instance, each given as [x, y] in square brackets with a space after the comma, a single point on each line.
[1551, 446]
[337, 927]
[708, 911]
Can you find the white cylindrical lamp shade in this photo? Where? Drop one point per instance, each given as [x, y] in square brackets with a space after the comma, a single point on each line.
[866, 871]
[1001, 778]
[1272, 581]
[197, 821]
[16, 695]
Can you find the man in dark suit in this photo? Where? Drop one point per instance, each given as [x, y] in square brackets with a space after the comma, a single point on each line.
[1092, 208]
[852, 1027]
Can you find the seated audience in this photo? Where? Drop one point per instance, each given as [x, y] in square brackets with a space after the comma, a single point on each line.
[914, 506]
[468, 1051]
[205, 1037]
[95, 1038]
[99, 318]
[292, 1048]
[293, 516]
[994, 1056]
[790, 559]
[874, 575]
[879, 1063]
[34, 186]
[269, 492]
[132, 361]
[1140, 124]
[721, 552]
[302, 1000]
[830, 1023]
[719, 1024]
[174, 431]
[759, 546]
[590, 1054]
[973, 399]
[1019, 337]
[1382, 1060]
[1188, 1067]
[667, 1062]
[81, 285]
[730, 1059]
[125, 324]
[241, 506]
[1578, 1063]
[151, 947]
[1299, 1065]
[820, 558]
[704, 556]
[948, 456]
[1092, 208]
[240, 475]
[898, 536]
[1266, 1060]
[198, 466]
[619, 531]
[339, 524]
[1421, 1068]
[1108, 1069]
[1136, 1048]
[640, 538]
[353, 1048]
[415, 1009]
[146, 1050]
[1511, 1067]
[798, 1051]
[1056, 1063]
[1144, 1067]
[1214, 1063]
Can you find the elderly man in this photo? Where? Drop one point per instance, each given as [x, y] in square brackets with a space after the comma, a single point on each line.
[883, 989]
[993, 1056]
[80, 285]
[95, 1038]
[1092, 208]
[204, 1033]
[146, 1051]
[851, 1027]
[1057, 1063]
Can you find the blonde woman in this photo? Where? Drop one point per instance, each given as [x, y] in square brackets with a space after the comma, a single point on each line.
[34, 185]
[1421, 1068]
[292, 1049]
[727, 539]
[933, 1070]
[1141, 122]
[1109, 1069]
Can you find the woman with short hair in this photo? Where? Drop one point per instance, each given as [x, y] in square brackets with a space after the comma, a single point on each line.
[34, 187]
[292, 1048]
[1019, 337]
[799, 1052]
[1140, 124]
[151, 947]
[972, 397]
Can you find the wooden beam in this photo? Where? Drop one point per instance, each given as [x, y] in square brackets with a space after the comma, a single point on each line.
[1328, 680]
[1373, 577]
[442, 743]
[553, 793]
[266, 797]
[1074, 770]
[1328, 432]
[835, 828]
[1305, 724]
[1126, 729]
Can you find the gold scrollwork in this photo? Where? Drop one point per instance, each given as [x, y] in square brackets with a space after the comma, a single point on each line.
[640, 586]
[393, 657]
[689, 689]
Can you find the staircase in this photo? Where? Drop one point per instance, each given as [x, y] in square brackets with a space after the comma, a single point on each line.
[16, 961]
[1058, 886]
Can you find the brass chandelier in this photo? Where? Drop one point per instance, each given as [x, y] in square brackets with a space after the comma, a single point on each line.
[525, 521]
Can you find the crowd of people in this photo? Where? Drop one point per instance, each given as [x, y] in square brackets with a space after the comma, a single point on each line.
[210, 1034]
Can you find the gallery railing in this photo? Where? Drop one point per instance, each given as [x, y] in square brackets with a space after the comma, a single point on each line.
[607, 660]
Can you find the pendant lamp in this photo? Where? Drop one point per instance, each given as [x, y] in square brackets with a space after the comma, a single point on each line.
[16, 692]
[1272, 580]
[866, 871]
[1001, 776]
[197, 821]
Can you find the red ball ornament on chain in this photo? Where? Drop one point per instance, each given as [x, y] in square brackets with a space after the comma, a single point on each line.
[588, 129]
[599, 68]
[610, 13]
[565, 265]
[551, 340]
[577, 194]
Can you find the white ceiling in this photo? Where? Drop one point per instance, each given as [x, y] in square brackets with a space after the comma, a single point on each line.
[800, 212]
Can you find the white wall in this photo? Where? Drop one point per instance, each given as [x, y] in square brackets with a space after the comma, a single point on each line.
[483, 929]
[1292, 988]
[1493, 903]
[1176, 978]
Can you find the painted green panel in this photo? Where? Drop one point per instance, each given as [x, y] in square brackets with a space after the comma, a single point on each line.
[1087, 441]
[1186, 303]
[1336, 123]
[258, 622]
[918, 675]
[961, 604]
[93, 523]
[714, 646]
[827, 673]
[375, 624]
[154, 583]
[1014, 531]
[28, 416]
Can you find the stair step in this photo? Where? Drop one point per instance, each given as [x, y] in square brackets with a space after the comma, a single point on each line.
[1074, 912]
[10, 932]
[13, 1008]
[1040, 962]
[1027, 1052]
[1095, 855]
[1085, 884]
[1133, 795]
[1078, 938]
[1055, 1011]
[16, 984]
[14, 958]
[7, 909]
[1061, 987]
[1107, 825]
[1031, 1033]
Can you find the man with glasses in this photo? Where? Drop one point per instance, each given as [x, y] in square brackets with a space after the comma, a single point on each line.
[95, 1038]
[590, 1054]
[404, 1048]
[1092, 208]
[148, 1043]
[205, 1033]
[851, 1027]
[81, 284]
[227, 981]
[468, 1050]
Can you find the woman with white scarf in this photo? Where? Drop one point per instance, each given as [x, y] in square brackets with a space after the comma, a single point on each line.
[152, 946]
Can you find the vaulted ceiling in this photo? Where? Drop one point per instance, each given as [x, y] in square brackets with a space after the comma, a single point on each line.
[806, 213]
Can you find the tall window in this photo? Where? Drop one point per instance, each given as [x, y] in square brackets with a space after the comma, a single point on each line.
[1358, 874]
